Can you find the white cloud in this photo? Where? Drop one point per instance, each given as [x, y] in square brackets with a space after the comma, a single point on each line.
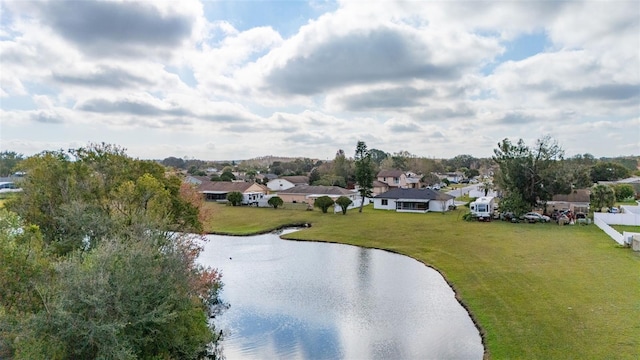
[399, 75]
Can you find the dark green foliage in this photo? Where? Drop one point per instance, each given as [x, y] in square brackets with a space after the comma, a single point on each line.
[123, 300]
[344, 203]
[77, 194]
[8, 162]
[96, 273]
[460, 162]
[275, 201]
[535, 174]
[513, 202]
[430, 179]
[602, 196]
[331, 180]
[470, 173]
[608, 171]
[624, 191]
[227, 176]
[235, 198]
[364, 172]
[175, 162]
[323, 203]
[23, 263]
[314, 176]
[378, 156]
[400, 160]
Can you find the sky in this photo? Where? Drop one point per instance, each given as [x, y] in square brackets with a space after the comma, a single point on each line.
[231, 80]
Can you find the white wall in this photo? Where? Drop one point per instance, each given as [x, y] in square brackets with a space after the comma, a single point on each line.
[439, 205]
[377, 204]
[615, 235]
[626, 218]
[279, 184]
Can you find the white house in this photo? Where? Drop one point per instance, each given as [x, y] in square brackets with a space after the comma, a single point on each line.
[280, 184]
[308, 194]
[413, 200]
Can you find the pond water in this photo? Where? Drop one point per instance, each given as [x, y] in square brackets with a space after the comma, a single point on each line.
[307, 300]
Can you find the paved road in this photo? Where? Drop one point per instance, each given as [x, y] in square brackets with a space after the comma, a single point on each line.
[459, 192]
[464, 190]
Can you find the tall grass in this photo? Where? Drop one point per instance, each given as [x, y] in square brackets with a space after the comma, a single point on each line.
[537, 291]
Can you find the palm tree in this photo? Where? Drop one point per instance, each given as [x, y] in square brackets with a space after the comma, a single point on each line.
[601, 196]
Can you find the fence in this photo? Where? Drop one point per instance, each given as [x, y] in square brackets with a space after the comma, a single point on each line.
[613, 233]
[631, 216]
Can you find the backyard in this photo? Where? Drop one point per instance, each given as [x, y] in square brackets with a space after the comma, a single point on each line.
[538, 291]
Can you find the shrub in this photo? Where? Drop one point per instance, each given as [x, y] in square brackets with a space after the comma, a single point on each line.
[275, 201]
[344, 203]
[235, 198]
[324, 203]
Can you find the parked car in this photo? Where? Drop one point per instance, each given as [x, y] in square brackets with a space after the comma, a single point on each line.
[8, 186]
[614, 210]
[509, 216]
[533, 217]
[581, 218]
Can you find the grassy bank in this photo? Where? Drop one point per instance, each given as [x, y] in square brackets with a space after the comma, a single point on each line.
[538, 291]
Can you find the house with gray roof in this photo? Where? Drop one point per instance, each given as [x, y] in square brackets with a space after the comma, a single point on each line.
[398, 178]
[413, 200]
[308, 193]
[218, 190]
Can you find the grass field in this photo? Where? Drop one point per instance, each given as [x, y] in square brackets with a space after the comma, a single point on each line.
[537, 291]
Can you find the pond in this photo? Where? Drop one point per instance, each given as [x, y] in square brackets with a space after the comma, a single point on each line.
[307, 300]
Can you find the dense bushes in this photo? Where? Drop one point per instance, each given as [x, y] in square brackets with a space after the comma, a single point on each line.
[91, 266]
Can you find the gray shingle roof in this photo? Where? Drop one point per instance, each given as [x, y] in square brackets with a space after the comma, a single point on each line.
[225, 186]
[310, 189]
[390, 173]
[423, 194]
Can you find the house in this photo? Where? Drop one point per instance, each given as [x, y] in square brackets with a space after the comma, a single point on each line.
[454, 177]
[413, 180]
[393, 178]
[297, 180]
[413, 200]
[577, 201]
[634, 181]
[379, 187]
[218, 190]
[264, 178]
[279, 185]
[308, 193]
[196, 179]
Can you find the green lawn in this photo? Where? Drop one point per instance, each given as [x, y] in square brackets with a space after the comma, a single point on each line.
[538, 291]
[629, 228]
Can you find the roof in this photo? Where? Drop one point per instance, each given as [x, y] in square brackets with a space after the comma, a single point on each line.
[390, 173]
[320, 189]
[377, 183]
[197, 180]
[420, 194]
[296, 179]
[225, 186]
[580, 195]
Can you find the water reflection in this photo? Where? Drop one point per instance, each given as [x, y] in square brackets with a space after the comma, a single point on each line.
[315, 300]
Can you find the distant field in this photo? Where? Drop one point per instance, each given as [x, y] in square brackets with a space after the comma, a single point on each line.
[538, 291]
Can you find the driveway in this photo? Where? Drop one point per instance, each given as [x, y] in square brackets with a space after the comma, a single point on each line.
[463, 190]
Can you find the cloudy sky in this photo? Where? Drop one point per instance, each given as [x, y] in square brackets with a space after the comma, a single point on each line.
[239, 79]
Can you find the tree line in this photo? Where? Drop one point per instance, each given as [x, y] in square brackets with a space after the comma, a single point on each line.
[529, 176]
[95, 263]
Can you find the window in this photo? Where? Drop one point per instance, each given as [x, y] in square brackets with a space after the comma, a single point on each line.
[385, 202]
[396, 180]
